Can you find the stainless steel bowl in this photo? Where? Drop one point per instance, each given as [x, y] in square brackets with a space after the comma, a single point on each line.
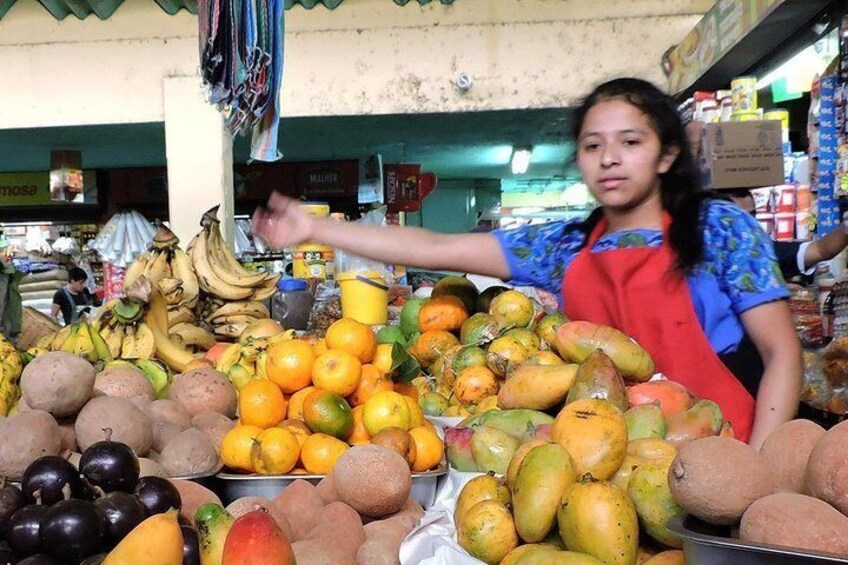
[232, 486]
[704, 544]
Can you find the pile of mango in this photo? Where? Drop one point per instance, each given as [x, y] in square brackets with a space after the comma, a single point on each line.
[577, 458]
[466, 342]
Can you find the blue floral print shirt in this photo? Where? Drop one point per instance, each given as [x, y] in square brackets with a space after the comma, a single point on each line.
[738, 272]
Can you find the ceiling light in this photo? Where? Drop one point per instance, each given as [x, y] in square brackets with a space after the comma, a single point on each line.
[521, 159]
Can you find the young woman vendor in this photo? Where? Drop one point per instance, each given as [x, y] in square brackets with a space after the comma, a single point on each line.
[692, 279]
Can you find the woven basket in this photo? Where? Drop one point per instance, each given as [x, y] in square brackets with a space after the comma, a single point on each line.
[35, 325]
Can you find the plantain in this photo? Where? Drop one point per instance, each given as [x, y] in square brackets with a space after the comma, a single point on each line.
[174, 355]
[249, 307]
[236, 320]
[190, 334]
[267, 291]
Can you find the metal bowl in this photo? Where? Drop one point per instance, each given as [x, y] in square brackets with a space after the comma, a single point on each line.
[705, 544]
[207, 479]
[232, 486]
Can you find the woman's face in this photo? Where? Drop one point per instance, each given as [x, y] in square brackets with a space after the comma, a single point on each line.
[620, 155]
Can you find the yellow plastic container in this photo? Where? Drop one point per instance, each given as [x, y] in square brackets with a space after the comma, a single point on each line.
[309, 260]
[365, 297]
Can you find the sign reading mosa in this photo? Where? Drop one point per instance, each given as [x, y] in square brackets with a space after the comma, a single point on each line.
[25, 189]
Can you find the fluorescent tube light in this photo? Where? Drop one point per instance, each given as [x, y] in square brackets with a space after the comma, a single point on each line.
[521, 159]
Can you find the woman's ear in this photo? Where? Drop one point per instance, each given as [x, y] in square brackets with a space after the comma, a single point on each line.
[667, 159]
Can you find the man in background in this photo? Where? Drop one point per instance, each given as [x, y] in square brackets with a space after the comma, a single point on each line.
[73, 300]
[797, 257]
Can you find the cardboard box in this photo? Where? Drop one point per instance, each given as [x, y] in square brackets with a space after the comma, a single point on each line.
[742, 154]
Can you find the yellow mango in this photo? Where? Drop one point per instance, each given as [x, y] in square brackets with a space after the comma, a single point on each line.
[156, 541]
[544, 477]
[594, 433]
[537, 387]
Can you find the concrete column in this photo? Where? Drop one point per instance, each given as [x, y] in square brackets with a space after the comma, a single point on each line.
[199, 154]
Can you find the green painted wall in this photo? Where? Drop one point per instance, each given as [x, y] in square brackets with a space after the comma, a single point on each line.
[455, 205]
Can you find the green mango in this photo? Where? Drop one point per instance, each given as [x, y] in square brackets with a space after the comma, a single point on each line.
[648, 489]
[544, 477]
[492, 449]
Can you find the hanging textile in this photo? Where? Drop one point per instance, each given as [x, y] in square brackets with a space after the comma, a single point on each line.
[241, 62]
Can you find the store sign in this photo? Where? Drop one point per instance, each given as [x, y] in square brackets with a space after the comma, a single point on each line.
[328, 180]
[727, 22]
[25, 189]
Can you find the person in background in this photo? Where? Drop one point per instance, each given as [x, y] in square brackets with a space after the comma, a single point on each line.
[73, 300]
[691, 278]
[798, 257]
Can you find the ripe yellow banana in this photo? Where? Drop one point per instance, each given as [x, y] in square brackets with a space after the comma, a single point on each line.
[46, 341]
[69, 345]
[267, 290]
[182, 270]
[180, 315]
[190, 334]
[246, 308]
[208, 280]
[128, 348]
[236, 319]
[174, 355]
[221, 262]
[145, 344]
[113, 336]
[60, 338]
[232, 331]
[136, 269]
[158, 267]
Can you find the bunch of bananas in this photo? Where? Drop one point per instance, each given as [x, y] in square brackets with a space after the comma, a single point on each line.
[167, 266]
[244, 361]
[228, 320]
[235, 293]
[11, 365]
[80, 338]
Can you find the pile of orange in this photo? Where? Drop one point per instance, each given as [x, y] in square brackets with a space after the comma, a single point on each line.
[321, 396]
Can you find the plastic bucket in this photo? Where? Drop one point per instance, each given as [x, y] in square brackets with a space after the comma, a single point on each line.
[365, 297]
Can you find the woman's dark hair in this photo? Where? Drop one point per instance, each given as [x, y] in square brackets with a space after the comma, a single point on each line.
[680, 187]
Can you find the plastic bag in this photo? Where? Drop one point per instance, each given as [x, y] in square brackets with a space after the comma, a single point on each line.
[346, 261]
[326, 309]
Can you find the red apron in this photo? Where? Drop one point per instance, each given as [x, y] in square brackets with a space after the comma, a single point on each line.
[639, 292]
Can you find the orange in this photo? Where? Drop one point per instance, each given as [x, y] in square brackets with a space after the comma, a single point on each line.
[416, 415]
[474, 384]
[372, 380]
[337, 371]
[358, 433]
[429, 449]
[275, 451]
[406, 390]
[385, 409]
[262, 404]
[320, 346]
[383, 357]
[297, 427]
[289, 364]
[354, 337]
[296, 403]
[431, 345]
[327, 413]
[237, 445]
[320, 452]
